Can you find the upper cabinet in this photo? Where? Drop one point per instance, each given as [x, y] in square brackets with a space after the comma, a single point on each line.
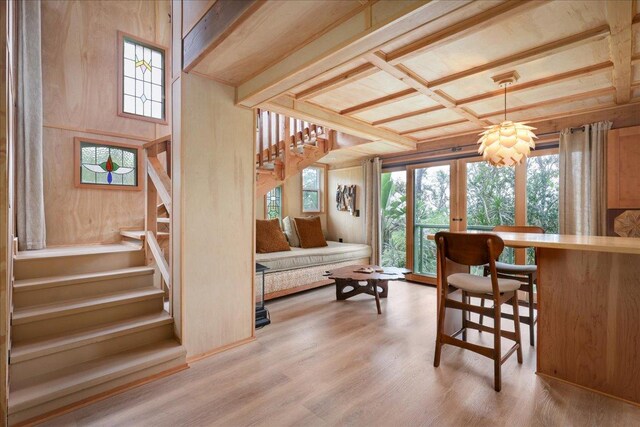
[623, 168]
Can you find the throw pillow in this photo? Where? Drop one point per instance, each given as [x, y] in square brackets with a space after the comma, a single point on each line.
[269, 237]
[291, 232]
[310, 232]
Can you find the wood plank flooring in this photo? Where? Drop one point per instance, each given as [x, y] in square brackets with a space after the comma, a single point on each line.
[324, 362]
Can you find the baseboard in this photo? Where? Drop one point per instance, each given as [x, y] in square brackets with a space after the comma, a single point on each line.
[100, 396]
[219, 350]
[630, 402]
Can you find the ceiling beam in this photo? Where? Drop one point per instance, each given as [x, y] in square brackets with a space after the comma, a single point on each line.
[554, 101]
[529, 55]
[406, 76]
[569, 75]
[214, 27]
[291, 107]
[407, 115]
[376, 24]
[378, 102]
[620, 17]
[360, 72]
[461, 29]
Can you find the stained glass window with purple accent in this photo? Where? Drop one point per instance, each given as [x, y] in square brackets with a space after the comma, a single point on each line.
[142, 79]
[108, 165]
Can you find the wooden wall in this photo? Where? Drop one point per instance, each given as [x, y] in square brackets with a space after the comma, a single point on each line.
[79, 61]
[341, 224]
[217, 186]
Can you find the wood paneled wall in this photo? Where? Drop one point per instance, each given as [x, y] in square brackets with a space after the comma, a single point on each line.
[79, 61]
[217, 186]
[341, 224]
[292, 201]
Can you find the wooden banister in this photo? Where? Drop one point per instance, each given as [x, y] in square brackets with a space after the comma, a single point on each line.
[163, 265]
[161, 181]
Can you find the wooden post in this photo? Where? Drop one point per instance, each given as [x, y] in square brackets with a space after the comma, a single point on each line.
[277, 152]
[260, 141]
[151, 214]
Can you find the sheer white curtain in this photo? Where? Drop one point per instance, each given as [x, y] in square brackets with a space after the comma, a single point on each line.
[583, 201]
[372, 175]
[29, 173]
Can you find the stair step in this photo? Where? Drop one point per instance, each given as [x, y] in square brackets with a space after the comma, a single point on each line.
[76, 260]
[164, 220]
[80, 305]
[48, 290]
[32, 349]
[140, 234]
[72, 384]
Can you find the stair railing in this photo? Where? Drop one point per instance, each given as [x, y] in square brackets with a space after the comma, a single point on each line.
[158, 186]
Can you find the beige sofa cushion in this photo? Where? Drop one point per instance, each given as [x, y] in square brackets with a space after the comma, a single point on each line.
[291, 232]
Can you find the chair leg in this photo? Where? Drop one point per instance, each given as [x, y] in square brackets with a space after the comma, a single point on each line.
[531, 320]
[439, 333]
[497, 335]
[516, 325]
[465, 300]
[481, 315]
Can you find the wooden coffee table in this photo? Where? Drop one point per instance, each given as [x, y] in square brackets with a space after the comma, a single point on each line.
[376, 284]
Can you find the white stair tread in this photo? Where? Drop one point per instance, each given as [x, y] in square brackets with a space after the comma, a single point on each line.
[41, 389]
[79, 305]
[31, 349]
[164, 220]
[139, 234]
[75, 251]
[54, 281]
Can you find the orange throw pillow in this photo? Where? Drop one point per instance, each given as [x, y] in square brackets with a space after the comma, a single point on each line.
[310, 232]
[269, 237]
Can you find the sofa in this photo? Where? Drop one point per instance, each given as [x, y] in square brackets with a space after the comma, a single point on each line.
[300, 269]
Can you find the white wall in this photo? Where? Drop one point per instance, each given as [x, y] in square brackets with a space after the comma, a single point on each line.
[217, 216]
[341, 224]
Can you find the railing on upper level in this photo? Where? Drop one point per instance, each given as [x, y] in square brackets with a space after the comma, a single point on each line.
[158, 188]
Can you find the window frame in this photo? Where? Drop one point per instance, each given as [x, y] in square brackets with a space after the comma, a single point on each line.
[165, 51]
[78, 165]
[322, 185]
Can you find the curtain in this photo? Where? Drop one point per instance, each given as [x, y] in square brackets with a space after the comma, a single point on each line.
[29, 171]
[372, 174]
[583, 204]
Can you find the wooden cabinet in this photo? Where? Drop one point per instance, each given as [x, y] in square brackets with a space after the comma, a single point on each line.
[623, 168]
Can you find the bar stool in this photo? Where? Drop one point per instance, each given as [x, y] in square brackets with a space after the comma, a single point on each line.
[525, 274]
[475, 250]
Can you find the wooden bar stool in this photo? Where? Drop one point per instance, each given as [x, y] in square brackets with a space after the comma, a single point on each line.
[525, 274]
[475, 250]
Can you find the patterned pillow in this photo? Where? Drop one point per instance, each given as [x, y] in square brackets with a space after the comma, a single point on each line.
[310, 232]
[291, 232]
[269, 237]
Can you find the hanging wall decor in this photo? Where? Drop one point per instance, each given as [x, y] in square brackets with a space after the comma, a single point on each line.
[346, 199]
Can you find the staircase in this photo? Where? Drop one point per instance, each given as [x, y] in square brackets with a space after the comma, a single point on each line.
[285, 146]
[87, 320]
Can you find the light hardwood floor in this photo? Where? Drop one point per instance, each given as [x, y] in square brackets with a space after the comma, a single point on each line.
[324, 362]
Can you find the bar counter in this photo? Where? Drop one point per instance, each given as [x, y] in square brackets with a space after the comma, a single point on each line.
[588, 310]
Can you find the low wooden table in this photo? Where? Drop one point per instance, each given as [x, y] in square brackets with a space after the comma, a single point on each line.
[376, 284]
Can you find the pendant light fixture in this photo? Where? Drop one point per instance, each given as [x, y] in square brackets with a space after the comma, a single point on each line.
[508, 143]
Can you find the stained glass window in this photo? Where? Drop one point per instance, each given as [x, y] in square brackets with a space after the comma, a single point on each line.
[143, 84]
[273, 201]
[108, 165]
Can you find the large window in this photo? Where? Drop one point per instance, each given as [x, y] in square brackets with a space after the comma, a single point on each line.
[393, 201]
[543, 194]
[312, 179]
[273, 203]
[142, 79]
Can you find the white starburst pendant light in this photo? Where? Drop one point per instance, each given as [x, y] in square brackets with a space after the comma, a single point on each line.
[508, 143]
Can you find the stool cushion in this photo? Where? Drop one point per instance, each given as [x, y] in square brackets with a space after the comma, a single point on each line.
[480, 284]
[504, 267]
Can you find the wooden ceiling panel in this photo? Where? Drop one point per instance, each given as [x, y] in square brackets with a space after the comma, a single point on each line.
[369, 88]
[447, 130]
[346, 155]
[415, 103]
[523, 31]
[286, 25]
[596, 52]
[433, 118]
[545, 93]
[329, 75]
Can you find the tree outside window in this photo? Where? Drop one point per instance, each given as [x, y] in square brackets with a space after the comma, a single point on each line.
[312, 189]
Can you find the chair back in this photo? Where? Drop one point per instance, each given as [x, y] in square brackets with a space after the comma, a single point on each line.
[518, 229]
[469, 249]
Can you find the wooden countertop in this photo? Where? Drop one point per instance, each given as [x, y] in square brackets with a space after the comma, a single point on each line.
[625, 245]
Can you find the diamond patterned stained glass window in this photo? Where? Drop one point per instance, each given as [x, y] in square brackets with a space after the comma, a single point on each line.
[108, 165]
[143, 82]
